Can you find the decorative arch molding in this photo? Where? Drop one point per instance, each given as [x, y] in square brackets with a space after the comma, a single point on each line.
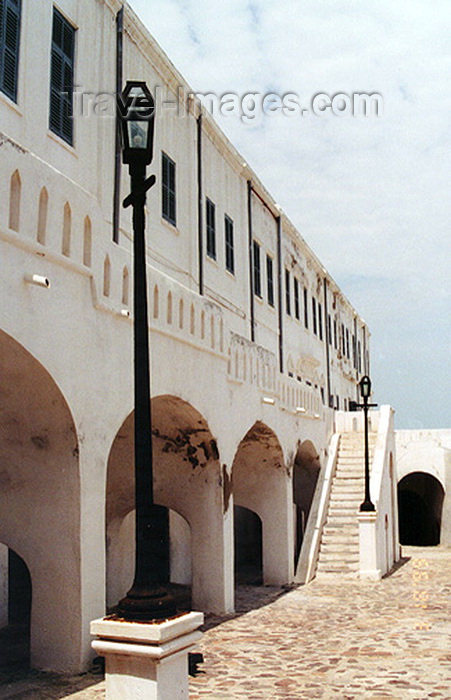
[42, 216]
[15, 193]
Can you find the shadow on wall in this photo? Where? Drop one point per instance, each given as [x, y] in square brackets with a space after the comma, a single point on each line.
[420, 503]
[305, 477]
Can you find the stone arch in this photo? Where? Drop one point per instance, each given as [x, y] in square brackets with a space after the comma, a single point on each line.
[306, 471]
[106, 277]
[261, 484]
[40, 502]
[125, 286]
[15, 192]
[67, 230]
[420, 504]
[87, 242]
[202, 324]
[42, 216]
[187, 480]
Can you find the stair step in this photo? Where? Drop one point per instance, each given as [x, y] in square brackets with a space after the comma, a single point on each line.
[351, 539]
[324, 568]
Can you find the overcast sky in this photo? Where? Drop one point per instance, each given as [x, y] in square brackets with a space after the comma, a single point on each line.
[370, 195]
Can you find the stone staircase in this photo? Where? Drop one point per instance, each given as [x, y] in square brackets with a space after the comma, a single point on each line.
[339, 549]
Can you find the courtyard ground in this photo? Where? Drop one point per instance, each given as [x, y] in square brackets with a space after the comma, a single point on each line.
[334, 638]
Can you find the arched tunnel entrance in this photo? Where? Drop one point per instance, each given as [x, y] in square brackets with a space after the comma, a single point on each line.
[15, 611]
[305, 477]
[39, 513]
[420, 502]
[248, 547]
[187, 482]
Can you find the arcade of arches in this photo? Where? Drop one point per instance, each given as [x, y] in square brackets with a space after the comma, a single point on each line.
[40, 511]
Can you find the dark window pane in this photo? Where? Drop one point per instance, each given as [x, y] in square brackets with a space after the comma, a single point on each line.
[270, 280]
[296, 298]
[287, 293]
[256, 268]
[9, 46]
[229, 250]
[62, 78]
[305, 308]
[168, 198]
[211, 229]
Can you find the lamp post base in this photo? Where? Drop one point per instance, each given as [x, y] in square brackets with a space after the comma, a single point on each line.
[367, 507]
[142, 605]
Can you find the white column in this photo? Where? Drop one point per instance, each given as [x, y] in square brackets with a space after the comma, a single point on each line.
[368, 567]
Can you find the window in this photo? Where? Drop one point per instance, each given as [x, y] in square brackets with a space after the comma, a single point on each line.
[329, 329]
[296, 299]
[229, 253]
[315, 324]
[62, 78]
[287, 293]
[359, 356]
[320, 321]
[348, 354]
[211, 230]
[9, 46]
[168, 189]
[335, 335]
[270, 280]
[305, 308]
[256, 268]
[343, 346]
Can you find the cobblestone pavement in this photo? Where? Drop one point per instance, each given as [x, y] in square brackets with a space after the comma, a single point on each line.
[334, 638]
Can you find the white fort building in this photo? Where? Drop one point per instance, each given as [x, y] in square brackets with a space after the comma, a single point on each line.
[255, 351]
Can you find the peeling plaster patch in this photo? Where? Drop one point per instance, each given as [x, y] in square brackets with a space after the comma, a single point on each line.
[41, 442]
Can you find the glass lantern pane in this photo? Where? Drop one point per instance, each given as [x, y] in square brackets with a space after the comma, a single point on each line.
[137, 134]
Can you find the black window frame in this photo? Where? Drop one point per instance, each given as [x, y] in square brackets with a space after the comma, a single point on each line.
[348, 354]
[270, 280]
[297, 308]
[229, 244]
[287, 292]
[305, 307]
[168, 189]
[256, 268]
[210, 225]
[62, 70]
[10, 26]
[329, 329]
[320, 321]
[315, 321]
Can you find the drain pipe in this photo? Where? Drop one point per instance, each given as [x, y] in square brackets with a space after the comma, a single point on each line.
[200, 237]
[251, 269]
[279, 290]
[327, 343]
[117, 151]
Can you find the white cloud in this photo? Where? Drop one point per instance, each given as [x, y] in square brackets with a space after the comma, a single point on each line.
[369, 195]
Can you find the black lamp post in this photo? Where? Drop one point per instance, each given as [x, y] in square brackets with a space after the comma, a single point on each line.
[146, 600]
[365, 392]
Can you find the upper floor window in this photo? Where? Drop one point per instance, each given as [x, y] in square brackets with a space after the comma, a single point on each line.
[211, 229]
[329, 329]
[62, 78]
[296, 298]
[335, 335]
[168, 189]
[305, 307]
[348, 354]
[320, 321]
[229, 251]
[270, 279]
[315, 323]
[9, 46]
[287, 292]
[256, 269]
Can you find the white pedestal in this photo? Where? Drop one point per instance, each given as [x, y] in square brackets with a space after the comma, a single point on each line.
[368, 558]
[146, 661]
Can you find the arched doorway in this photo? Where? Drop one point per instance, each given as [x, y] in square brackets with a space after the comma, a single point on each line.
[420, 502]
[261, 491]
[40, 505]
[305, 477]
[187, 482]
[15, 611]
[248, 545]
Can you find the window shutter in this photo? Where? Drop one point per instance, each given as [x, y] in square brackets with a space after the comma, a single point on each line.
[9, 46]
[62, 78]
